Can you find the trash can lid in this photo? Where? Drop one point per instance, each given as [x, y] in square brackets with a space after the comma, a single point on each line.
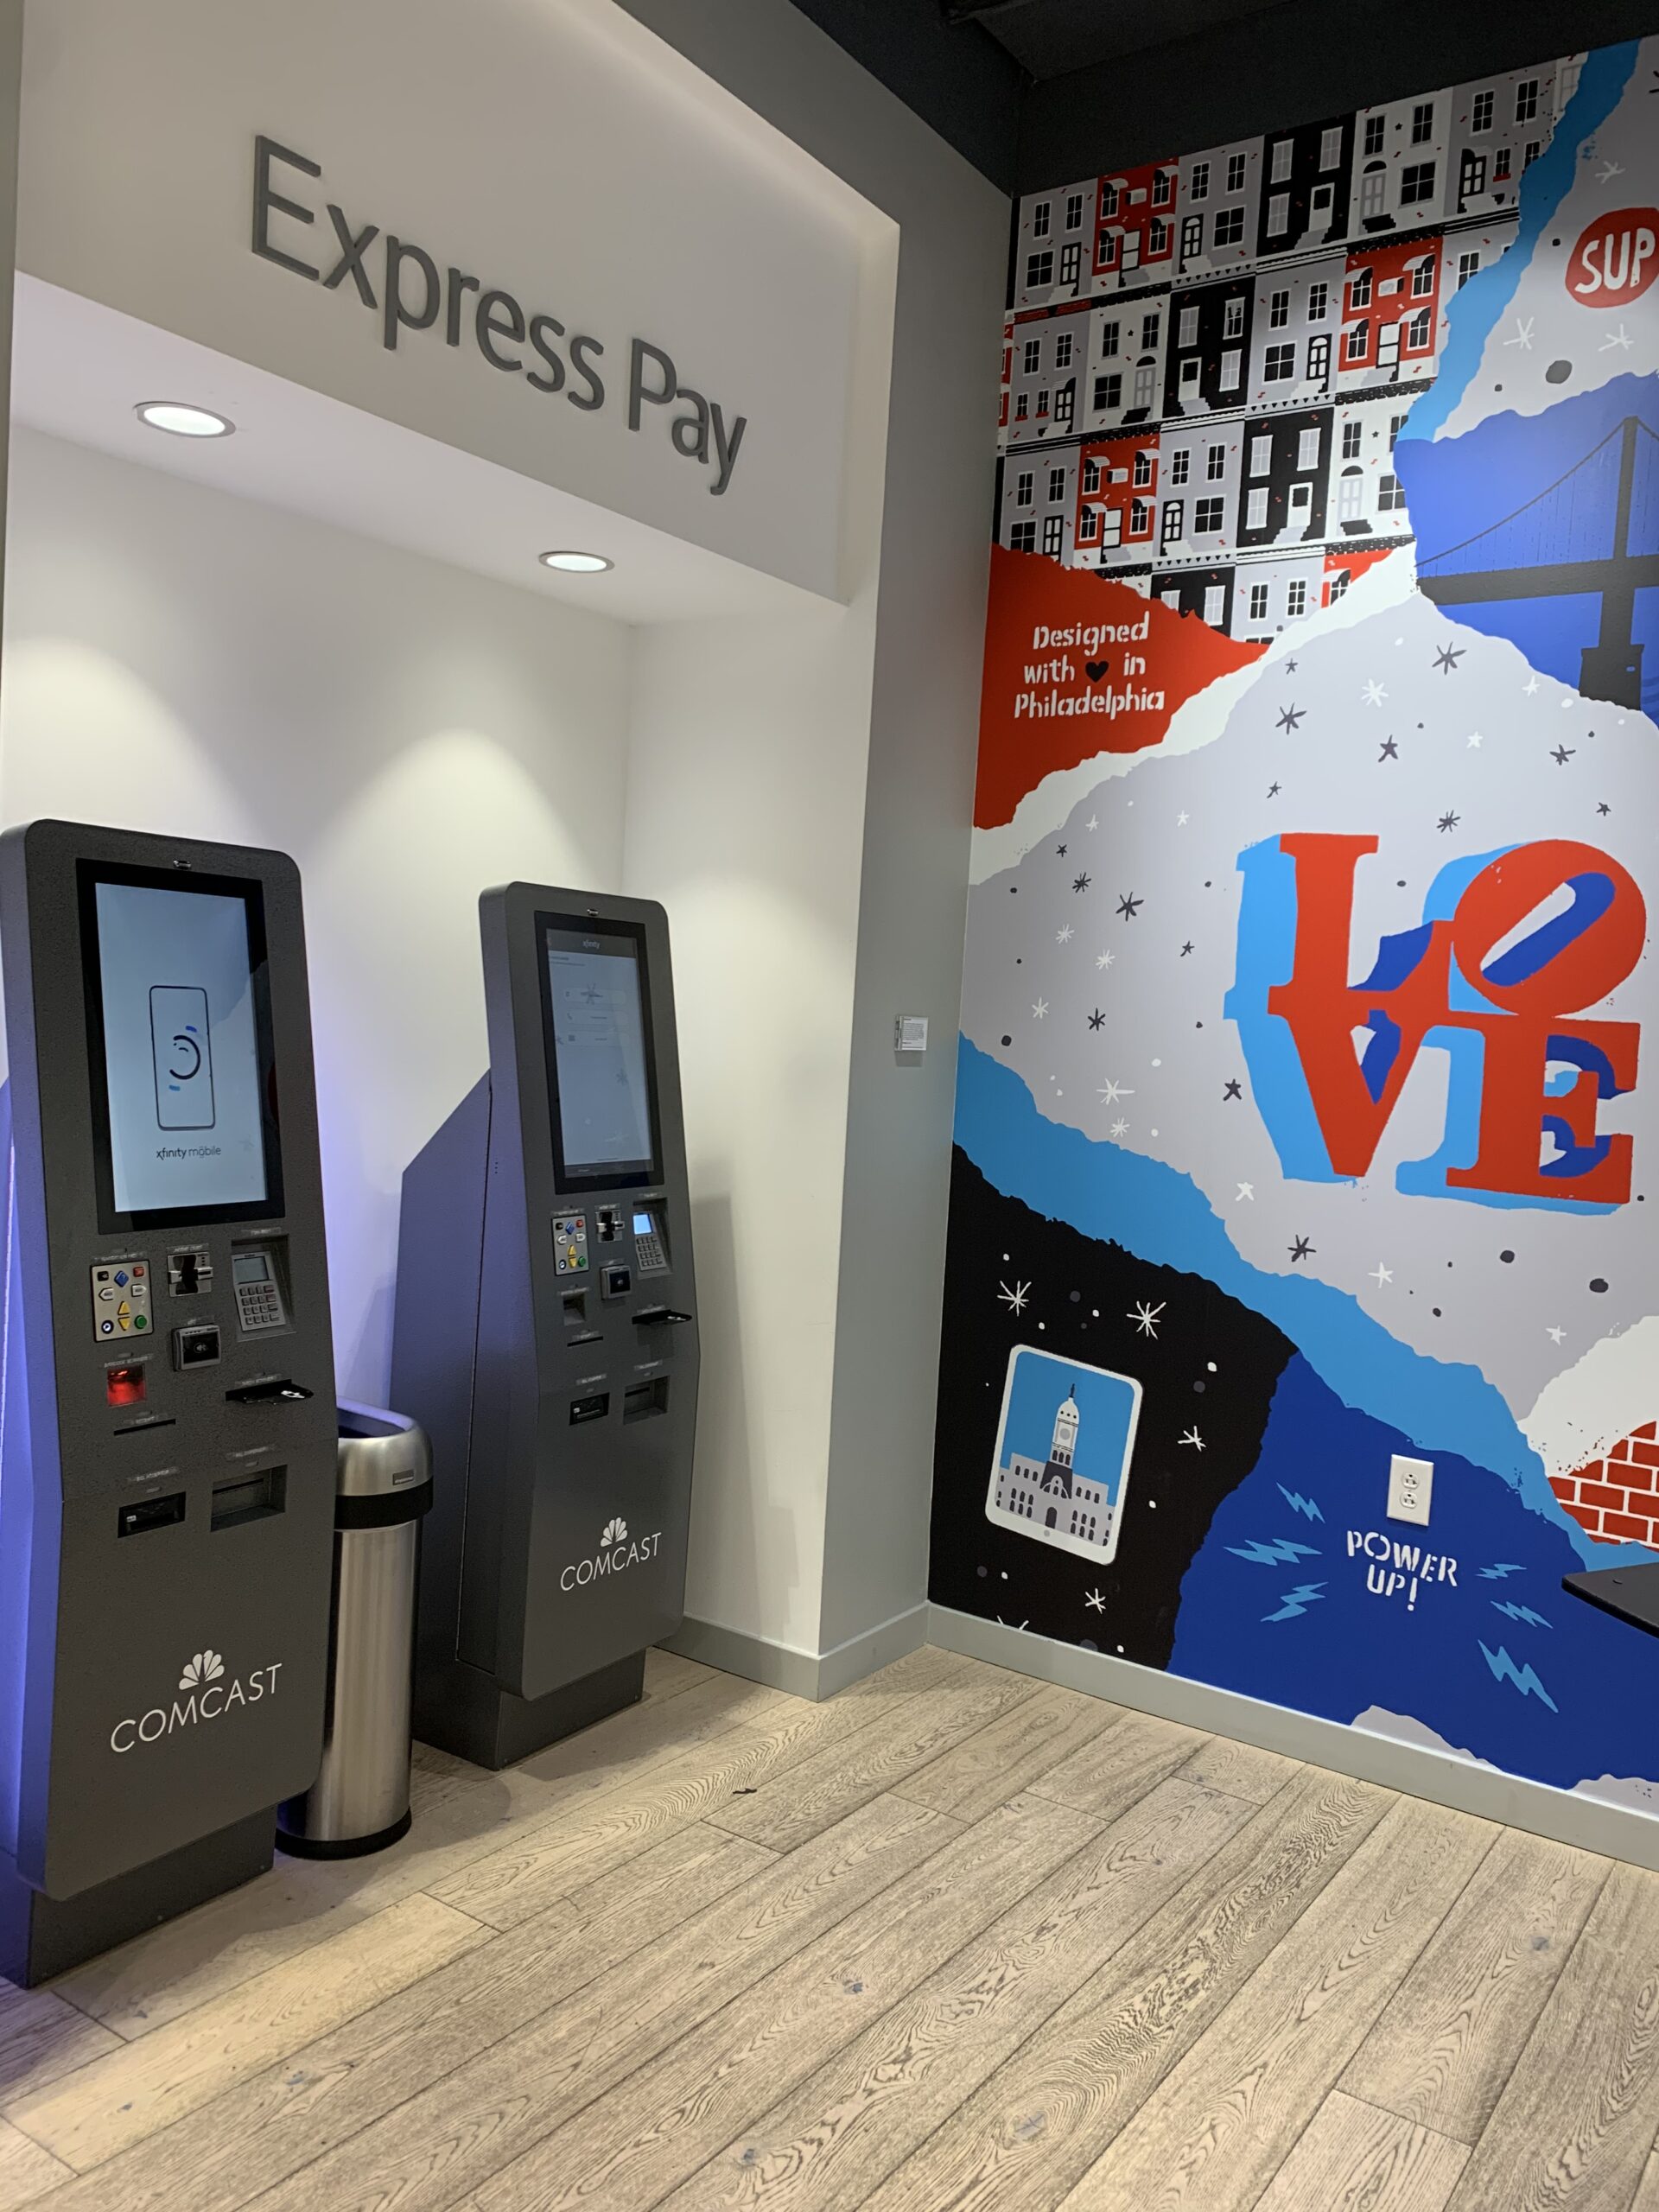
[380, 1453]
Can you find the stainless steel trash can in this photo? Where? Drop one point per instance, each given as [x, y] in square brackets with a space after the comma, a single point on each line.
[359, 1800]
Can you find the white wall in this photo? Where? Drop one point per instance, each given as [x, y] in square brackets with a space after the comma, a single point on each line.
[178, 660]
[745, 816]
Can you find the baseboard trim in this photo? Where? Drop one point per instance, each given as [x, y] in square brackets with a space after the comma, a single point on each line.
[786, 1667]
[1416, 1770]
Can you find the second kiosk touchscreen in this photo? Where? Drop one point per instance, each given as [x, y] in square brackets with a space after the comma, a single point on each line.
[544, 1334]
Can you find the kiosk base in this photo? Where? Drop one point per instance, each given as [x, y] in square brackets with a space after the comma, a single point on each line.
[40, 1937]
[459, 1710]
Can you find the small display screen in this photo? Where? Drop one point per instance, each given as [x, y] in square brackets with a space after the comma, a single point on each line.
[604, 1087]
[250, 1266]
[644, 1225]
[179, 1016]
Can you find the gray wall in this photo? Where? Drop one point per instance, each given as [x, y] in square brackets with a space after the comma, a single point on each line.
[935, 552]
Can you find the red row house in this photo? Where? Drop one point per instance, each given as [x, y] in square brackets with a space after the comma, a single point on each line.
[1118, 496]
[1390, 313]
[1134, 223]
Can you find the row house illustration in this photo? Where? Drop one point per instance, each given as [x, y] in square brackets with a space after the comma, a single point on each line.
[1400, 163]
[1054, 256]
[1295, 323]
[1135, 225]
[1405, 165]
[1046, 351]
[1128, 337]
[1390, 302]
[1220, 203]
[1270, 594]
[1117, 500]
[1040, 499]
[1205, 592]
[1498, 127]
[1286, 467]
[1209, 330]
[1307, 175]
[1199, 518]
[1365, 500]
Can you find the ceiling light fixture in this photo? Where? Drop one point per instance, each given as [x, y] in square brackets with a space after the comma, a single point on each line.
[576, 564]
[180, 421]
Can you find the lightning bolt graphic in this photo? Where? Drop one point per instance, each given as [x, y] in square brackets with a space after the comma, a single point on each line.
[1497, 1573]
[1297, 1601]
[1281, 1552]
[1522, 1613]
[1506, 1670]
[1300, 1504]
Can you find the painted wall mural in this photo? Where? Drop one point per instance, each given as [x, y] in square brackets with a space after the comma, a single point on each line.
[1304, 1110]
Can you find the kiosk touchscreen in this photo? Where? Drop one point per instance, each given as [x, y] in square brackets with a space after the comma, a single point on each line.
[167, 1430]
[544, 1334]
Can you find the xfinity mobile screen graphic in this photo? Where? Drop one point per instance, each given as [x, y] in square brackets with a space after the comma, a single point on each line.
[181, 1050]
[598, 1049]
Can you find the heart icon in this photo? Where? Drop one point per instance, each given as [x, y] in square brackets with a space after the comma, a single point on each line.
[1096, 668]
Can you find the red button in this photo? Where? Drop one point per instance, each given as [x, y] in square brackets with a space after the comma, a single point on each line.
[138, 1274]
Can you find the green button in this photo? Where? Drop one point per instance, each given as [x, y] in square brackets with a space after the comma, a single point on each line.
[141, 1321]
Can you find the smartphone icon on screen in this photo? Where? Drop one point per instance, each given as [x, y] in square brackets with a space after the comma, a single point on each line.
[183, 1053]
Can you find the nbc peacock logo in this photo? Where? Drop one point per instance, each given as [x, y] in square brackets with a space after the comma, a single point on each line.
[205, 1693]
[206, 1667]
[615, 1532]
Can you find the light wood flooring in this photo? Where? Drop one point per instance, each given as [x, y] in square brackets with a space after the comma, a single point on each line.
[952, 1939]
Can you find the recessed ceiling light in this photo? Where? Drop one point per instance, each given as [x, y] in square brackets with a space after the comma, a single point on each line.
[576, 564]
[183, 422]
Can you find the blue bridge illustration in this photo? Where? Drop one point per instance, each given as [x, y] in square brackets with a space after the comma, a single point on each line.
[1594, 531]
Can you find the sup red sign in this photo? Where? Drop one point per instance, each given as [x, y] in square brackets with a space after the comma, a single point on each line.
[1616, 258]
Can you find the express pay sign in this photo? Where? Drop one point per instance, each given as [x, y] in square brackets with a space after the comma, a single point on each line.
[1616, 260]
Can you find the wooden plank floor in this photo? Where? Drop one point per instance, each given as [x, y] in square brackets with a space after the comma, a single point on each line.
[953, 1939]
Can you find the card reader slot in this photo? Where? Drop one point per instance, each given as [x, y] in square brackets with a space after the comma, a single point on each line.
[593, 1406]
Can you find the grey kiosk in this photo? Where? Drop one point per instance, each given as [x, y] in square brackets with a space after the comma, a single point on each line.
[167, 1443]
[544, 1335]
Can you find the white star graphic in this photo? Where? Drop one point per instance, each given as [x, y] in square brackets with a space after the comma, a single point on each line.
[1245, 1191]
[1145, 1317]
[1095, 1600]
[1619, 338]
[1105, 959]
[1017, 1298]
[1193, 1438]
[1555, 1335]
[1611, 170]
[1181, 821]
[1063, 935]
[1111, 1092]
[1120, 1128]
[1041, 1009]
[1374, 693]
[1476, 740]
[1380, 1274]
[1530, 685]
[1522, 337]
[1093, 823]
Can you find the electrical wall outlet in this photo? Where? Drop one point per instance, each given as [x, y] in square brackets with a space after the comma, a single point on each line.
[1411, 1484]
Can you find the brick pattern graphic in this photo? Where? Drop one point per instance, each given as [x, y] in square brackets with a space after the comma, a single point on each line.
[1617, 1499]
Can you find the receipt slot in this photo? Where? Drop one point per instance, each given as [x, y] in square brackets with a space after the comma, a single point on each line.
[544, 1334]
[167, 1442]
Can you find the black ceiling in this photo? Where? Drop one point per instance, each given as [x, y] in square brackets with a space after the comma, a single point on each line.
[1050, 38]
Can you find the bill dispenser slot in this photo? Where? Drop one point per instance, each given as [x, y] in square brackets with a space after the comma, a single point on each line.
[250, 1497]
[642, 1401]
[593, 1406]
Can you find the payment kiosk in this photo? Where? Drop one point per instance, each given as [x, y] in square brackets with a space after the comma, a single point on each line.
[546, 1334]
[167, 1430]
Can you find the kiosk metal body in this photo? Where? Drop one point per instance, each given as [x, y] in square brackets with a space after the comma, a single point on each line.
[545, 1336]
[166, 1439]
